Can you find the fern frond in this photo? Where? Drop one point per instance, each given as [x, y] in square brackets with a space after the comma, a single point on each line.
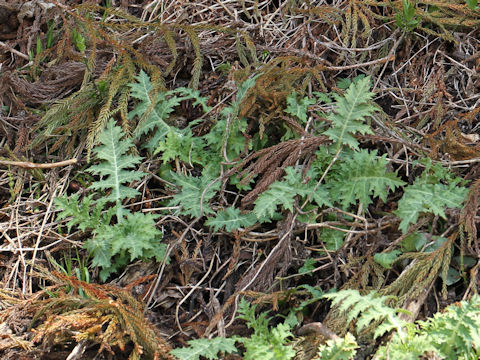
[452, 334]
[456, 332]
[368, 309]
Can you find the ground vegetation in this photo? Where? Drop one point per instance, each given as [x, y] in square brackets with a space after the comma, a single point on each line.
[254, 179]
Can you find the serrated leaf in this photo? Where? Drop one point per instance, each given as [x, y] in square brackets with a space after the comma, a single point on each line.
[386, 259]
[430, 198]
[307, 267]
[344, 299]
[135, 235]
[361, 307]
[152, 113]
[363, 176]
[451, 334]
[264, 343]
[100, 248]
[246, 311]
[340, 349]
[244, 87]
[377, 311]
[154, 108]
[232, 136]
[298, 108]
[322, 97]
[351, 111]
[190, 195]
[258, 350]
[269, 345]
[333, 239]
[455, 332]
[208, 348]
[280, 193]
[82, 213]
[367, 309]
[116, 161]
[231, 219]
[176, 144]
[321, 196]
[194, 95]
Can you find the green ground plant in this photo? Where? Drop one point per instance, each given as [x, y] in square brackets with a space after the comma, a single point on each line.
[268, 343]
[341, 175]
[270, 177]
[73, 266]
[451, 334]
[119, 236]
[341, 349]
[472, 4]
[406, 18]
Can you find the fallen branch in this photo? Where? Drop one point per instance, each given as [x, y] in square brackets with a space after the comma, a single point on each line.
[30, 165]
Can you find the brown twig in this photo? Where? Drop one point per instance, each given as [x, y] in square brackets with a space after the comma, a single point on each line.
[368, 63]
[30, 165]
[12, 50]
